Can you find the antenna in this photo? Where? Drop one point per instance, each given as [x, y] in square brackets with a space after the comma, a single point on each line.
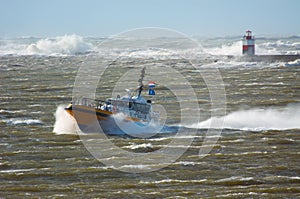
[141, 81]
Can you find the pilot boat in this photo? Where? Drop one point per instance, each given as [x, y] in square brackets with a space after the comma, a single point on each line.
[114, 113]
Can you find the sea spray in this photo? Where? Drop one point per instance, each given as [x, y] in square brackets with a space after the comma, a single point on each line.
[136, 129]
[64, 124]
[235, 49]
[65, 45]
[74, 44]
[55, 46]
[293, 63]
[259, 119]
[225, 49]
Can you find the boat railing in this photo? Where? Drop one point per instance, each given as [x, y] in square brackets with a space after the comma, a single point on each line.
[132, 108]
[126, 105]
[84, 101]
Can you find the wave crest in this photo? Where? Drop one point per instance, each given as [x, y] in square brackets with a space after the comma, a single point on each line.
[65, 45]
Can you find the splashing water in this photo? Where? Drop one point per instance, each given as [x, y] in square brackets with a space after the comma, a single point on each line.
[75, 44]
[64, 124]
[65, 45]
[259, 119]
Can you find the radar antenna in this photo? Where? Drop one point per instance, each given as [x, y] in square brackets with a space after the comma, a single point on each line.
[141, 81]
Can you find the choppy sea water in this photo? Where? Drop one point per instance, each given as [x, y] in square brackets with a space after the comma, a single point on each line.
[256, 156]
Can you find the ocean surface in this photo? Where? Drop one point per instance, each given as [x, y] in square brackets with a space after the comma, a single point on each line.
[257, 154]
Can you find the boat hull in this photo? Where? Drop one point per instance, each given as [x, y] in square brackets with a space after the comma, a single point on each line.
[91, 120]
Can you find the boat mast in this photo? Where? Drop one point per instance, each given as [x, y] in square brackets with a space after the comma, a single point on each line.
[141, 81]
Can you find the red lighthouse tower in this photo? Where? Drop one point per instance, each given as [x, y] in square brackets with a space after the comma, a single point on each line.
[248, 43]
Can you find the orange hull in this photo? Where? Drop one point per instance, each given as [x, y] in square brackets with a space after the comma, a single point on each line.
[85, 115]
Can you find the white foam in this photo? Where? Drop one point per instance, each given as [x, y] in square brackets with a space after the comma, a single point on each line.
[65, 45]
[139, 167]
[186, 163]
[64, 124]
[57, 46]
[22, 121]
[261, 48]
[9, 111]
[293, 63]
[137, 129]
[235, 178]
[279, 47]
[17, 170]
[74, 44]
[167, 181]
[138, 146]
[226, 49]
[258, 119]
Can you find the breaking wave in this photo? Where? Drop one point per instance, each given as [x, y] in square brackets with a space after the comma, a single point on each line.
[261, 48]
[258, 119]
[226, 49]
[65, 45]
[75, 44]
[293, 63]
[286, 46]
[57, 46]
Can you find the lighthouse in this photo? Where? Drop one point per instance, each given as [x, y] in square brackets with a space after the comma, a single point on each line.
[248, 43]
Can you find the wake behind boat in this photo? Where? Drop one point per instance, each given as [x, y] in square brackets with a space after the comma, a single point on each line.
[117, 115]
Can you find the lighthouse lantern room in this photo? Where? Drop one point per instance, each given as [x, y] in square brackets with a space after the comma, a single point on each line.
[248, 43]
